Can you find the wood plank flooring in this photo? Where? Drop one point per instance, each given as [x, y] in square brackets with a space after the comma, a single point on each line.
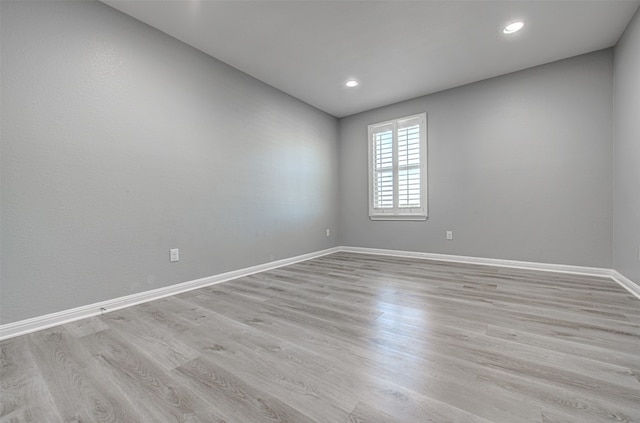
[345, 338]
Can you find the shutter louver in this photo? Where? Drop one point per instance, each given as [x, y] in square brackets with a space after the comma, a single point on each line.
[409, 167]
[383, 170]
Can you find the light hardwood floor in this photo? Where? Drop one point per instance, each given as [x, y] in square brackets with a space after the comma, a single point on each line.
[343, 338]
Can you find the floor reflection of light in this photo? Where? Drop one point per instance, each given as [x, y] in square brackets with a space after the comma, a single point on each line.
[398, 339]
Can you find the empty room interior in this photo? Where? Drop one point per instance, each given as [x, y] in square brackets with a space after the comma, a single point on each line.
[320, 211]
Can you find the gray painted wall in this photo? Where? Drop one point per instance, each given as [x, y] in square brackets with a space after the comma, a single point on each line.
[520, 167]
[119, 143]
[626, 247]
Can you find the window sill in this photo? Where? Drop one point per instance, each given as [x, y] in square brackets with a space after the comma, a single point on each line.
[398, 217]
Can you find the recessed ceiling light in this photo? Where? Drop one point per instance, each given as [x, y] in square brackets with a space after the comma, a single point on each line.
[513, 27]
[352, 83]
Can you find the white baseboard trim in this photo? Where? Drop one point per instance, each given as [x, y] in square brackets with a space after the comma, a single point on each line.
[34, 324]
[24, 327]
[528, 265]
[626, 283]
[620, 279]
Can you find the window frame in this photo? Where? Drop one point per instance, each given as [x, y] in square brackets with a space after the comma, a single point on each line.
[396, 212]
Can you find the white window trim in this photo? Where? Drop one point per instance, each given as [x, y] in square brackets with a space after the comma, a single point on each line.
[397, 213]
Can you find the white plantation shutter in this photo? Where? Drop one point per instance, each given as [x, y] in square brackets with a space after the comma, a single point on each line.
[383, 168]
[409, 166]
[397, 169]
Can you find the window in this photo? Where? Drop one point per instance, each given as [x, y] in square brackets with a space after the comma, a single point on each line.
[398, 169]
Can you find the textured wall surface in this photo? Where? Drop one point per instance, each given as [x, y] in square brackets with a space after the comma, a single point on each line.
[626, 247]
[520, 168]
[119, 143]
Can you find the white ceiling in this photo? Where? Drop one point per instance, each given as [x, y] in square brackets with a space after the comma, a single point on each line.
[397, 49]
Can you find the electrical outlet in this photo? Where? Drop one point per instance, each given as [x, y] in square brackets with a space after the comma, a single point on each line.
[328, 232]
[174, 255]
[449, 235]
